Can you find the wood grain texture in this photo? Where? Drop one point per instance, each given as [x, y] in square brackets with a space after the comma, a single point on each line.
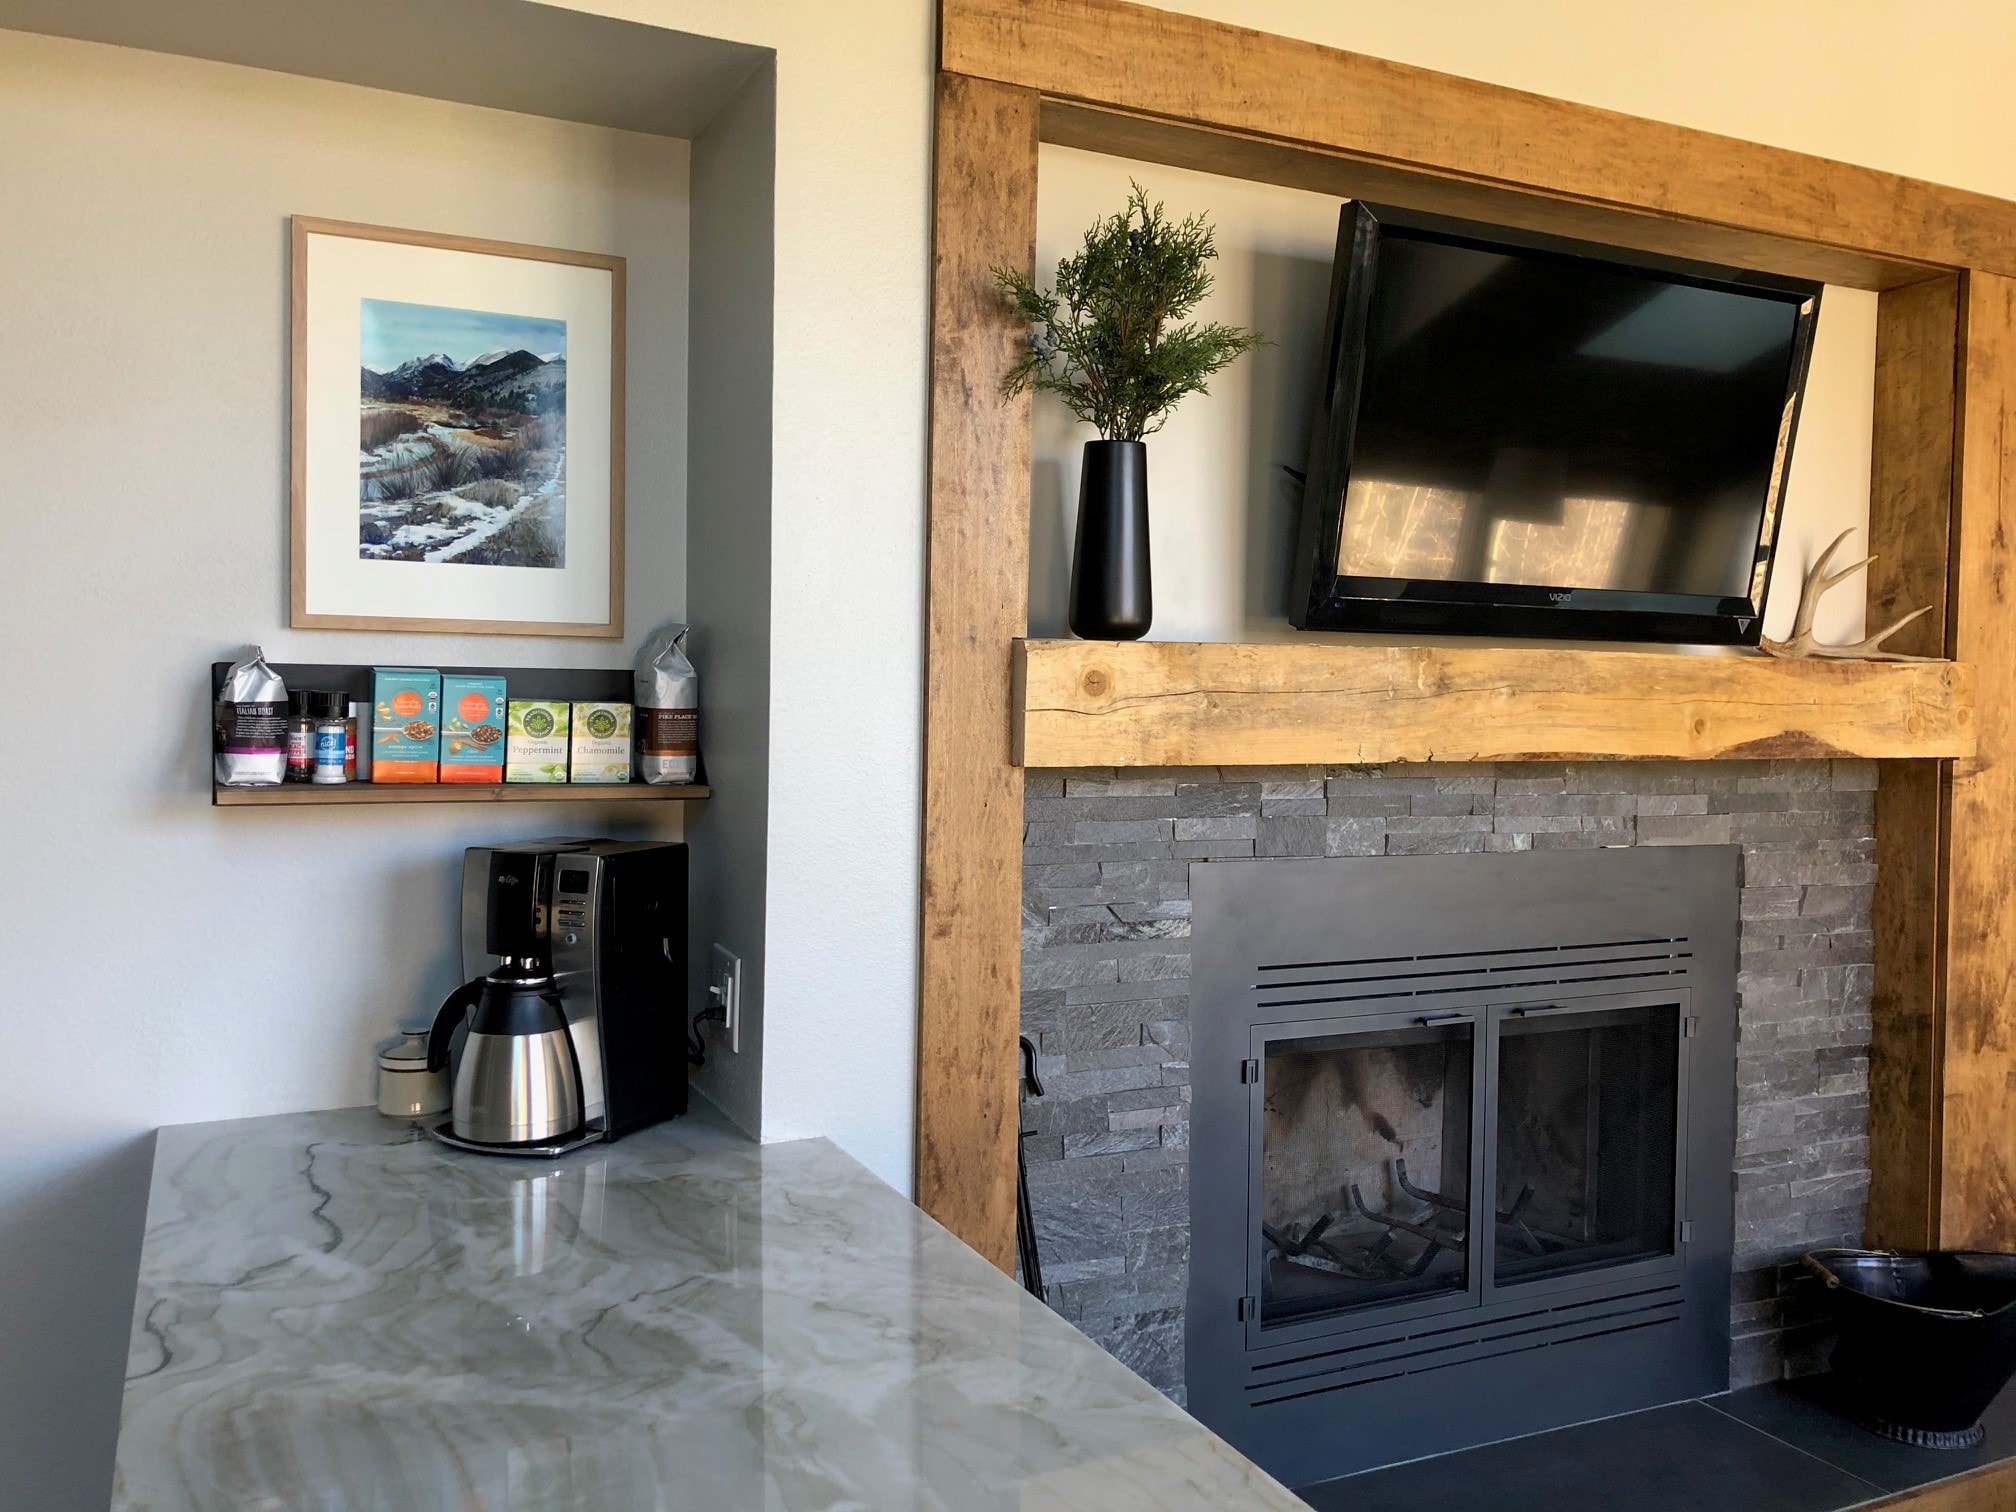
[969, 1011]
[350, 794]
[1153, 63]
[1911, 461]
[1910, 518]
[1992, 1489]
[1907, 1011]
[1320, 170]
[1165, 703]
[1978, 1162]
[299, 616]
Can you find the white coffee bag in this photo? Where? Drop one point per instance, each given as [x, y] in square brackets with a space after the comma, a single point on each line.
[251, 724]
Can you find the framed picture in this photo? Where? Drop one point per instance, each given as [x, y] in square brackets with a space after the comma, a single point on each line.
[457, 434]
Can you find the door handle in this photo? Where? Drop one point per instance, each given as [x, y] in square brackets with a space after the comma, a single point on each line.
[1426, 1020]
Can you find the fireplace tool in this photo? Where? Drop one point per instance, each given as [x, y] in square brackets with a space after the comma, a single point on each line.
[1025, 1218]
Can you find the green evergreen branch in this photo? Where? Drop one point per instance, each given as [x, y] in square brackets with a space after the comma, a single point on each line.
[1102, 339]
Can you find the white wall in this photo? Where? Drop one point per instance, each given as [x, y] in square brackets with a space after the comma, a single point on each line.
[1838, 78]
[852, 276]
[728, 543]
[168, 961]
[123, 225]
[1222, 511]
[852, 273]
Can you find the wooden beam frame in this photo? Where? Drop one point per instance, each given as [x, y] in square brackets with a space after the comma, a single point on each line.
[1910, 517]
[1990, 1489]
[1133, 81]
[1104, 58]
[1976, 1186]
[984, 207]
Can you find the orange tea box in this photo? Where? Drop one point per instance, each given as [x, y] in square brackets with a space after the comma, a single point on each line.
[405, 724]
[472, 729]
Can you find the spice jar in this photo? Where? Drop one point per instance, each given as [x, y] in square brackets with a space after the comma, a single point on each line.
[302, 705]
[357, 764]
[335, 739]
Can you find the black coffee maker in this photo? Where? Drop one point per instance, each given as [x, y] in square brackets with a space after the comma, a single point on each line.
[605, 936]
[518, 1082]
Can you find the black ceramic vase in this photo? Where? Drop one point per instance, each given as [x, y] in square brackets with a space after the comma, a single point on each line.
[1111, 597]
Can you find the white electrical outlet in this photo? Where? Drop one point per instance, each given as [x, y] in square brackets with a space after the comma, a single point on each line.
[724, 991]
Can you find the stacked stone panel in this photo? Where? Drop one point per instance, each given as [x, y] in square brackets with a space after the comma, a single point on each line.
[1106, 967]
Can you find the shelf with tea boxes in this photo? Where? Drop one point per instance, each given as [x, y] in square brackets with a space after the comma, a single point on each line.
[288, 734]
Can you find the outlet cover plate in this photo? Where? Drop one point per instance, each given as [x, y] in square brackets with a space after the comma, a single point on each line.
[724, 991]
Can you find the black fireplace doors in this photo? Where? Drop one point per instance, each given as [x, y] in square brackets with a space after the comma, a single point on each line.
[1461, 1143]
[1409, 1163]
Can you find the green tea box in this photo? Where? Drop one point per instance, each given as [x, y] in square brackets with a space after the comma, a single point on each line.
[601, 748]
[535, 741]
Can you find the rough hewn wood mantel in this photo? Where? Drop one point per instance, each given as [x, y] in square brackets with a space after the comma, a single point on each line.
[1167, 703]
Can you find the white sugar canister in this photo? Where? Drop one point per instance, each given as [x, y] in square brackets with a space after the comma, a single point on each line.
[406, 1088]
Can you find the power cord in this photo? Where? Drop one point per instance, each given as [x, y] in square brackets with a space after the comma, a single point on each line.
[696, 1043]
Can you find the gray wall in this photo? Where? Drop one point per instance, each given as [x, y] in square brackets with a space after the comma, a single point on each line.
[1106, 967]
[167, 961]
[728, 541]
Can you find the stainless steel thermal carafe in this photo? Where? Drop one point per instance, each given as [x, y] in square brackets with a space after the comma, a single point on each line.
[517, 1082]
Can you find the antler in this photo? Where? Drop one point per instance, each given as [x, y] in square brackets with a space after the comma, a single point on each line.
[1818, 580]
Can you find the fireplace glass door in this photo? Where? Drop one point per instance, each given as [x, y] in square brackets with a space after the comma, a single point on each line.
[1585, 1148]
[1366, 1147]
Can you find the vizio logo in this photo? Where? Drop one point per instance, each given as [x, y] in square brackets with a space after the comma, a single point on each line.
[1743, 622]
[1559, 598]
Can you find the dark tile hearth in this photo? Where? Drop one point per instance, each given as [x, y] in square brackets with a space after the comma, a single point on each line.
[1799, 1413]
[1771, 1448]
[1672, 1459]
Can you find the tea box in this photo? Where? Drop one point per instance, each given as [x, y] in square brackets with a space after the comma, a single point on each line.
[535, 741]
[405, 724]
[473, 719]
[601, 744]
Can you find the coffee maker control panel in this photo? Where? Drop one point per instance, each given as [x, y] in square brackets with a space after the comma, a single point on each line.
[575, 939]
[573, 890]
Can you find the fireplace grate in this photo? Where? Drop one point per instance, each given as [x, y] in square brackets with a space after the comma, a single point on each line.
[1429, 1349]
[1368, 979]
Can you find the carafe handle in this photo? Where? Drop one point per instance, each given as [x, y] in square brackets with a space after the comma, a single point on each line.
[456, 1009]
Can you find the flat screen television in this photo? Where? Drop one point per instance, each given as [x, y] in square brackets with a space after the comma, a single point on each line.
[1524, 435]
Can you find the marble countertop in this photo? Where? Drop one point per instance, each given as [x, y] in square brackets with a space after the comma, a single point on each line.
[336, 1313]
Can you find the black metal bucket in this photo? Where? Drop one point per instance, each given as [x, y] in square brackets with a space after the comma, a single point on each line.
[1927, 1341]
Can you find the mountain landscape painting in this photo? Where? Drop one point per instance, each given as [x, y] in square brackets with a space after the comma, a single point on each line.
[462, 436]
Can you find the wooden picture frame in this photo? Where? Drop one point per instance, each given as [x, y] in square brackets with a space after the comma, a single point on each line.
[480, 500]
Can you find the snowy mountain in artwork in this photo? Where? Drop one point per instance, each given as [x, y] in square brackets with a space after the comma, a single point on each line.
[463, 436]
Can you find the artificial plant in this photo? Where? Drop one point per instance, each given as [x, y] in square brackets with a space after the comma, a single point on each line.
[1106, 339]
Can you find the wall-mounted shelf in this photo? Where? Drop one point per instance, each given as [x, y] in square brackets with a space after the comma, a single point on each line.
[308, 795]
[1164, 703]
[580, 684]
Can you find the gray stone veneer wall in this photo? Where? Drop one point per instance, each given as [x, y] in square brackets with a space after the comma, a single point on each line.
[1106, 965]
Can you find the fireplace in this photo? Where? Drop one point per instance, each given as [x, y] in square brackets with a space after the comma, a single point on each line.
[1462, 1136]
